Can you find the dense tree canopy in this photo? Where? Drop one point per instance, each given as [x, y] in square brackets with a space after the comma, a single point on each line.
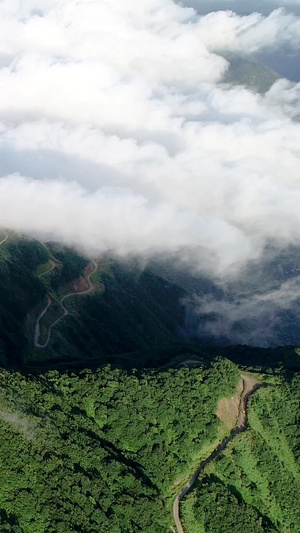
[254, 485]
[103, 451]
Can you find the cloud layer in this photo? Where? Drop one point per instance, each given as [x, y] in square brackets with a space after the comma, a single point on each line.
[117, 134]
[241, 6]
[267, 319]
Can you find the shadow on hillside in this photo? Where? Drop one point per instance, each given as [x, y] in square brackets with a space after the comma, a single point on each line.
[177, 354]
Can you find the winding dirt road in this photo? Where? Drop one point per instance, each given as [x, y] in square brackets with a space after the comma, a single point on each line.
[249, 386]
[37, 332]
[52, 267]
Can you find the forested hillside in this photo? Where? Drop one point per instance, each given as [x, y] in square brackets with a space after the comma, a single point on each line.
[127, 308]
[109, 450]
[88, 447]
[106, 450]
[20, 292]
[251, 74]
[254, 484]
[131, 316]
[149, 266]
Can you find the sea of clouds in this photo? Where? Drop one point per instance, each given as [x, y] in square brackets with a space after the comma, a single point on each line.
[118, 136]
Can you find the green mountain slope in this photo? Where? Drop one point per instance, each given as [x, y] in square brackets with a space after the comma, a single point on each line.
[134, 310]
[20, 292]
[256, 480]
[109, 448]
[103, 451]
[132, 317]
[127, 309]
[252, 74]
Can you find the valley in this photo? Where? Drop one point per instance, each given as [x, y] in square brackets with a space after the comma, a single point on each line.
[157, 422]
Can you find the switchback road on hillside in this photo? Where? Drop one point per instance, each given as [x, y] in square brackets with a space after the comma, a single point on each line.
[52, 267]
[37, 332]
[249, 386]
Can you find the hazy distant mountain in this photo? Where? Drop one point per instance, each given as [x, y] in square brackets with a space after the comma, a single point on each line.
[250, 73]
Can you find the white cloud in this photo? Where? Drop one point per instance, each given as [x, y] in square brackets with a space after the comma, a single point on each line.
[256, 319]
[119, 222]
[225, 30]
[116, 133]
[241, 6]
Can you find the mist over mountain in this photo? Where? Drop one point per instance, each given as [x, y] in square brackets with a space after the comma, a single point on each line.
[284, 60]
[120, 134]
[149, 266]
[251, 74]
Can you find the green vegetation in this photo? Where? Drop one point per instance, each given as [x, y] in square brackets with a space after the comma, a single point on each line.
[72, 263]
[213, 508]
[105, 450]
[109, 449]
[20, 292]
[131, 310]
[43, 269]
[254, 484]
[252, 74]
[133, 319]
[136, 311]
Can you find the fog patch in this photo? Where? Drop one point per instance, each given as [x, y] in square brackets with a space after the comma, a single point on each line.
[264, 320]
[20, 423]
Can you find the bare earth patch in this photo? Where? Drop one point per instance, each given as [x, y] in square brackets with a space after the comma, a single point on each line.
[233, 413]
[228, 408]
[79, 285]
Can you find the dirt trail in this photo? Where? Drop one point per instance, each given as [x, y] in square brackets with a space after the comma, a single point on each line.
[89, 289]
[52, 267]
[249, 385]
[37, 331]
